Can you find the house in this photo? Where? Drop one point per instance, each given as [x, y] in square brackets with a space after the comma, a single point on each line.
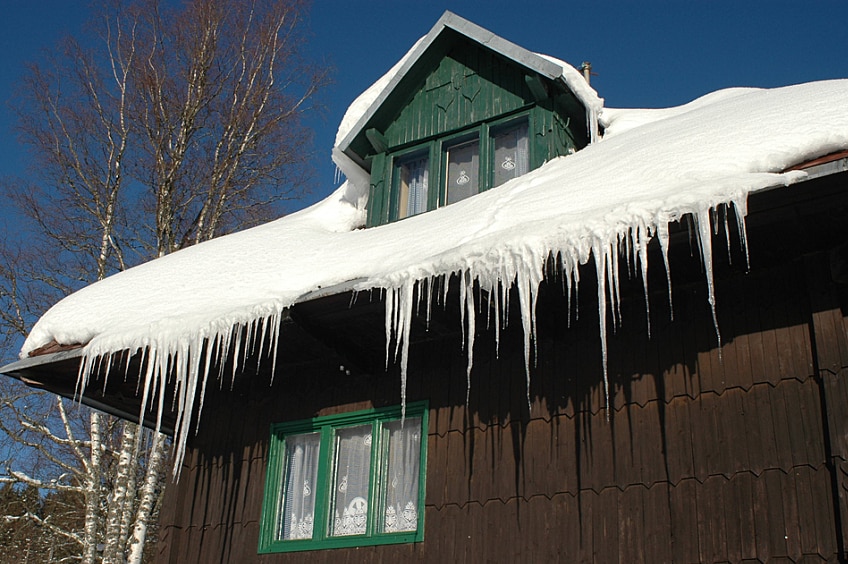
[636, 351]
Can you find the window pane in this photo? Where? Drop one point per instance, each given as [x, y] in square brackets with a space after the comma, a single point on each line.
[301, 470]
[412, 181]
[402, 455]
[511, 156]
[463, 169]
[351, 476]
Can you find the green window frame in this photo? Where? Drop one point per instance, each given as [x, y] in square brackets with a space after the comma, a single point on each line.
[346, 480]
[442, 188]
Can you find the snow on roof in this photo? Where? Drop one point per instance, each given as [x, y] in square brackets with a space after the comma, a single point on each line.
[652, 168]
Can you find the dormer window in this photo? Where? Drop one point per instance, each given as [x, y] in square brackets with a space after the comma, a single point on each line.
[464, 113]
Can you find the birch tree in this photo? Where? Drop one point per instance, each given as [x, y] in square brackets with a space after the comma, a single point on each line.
[176, 125]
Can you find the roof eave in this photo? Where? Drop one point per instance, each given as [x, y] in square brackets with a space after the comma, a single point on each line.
[57, 373]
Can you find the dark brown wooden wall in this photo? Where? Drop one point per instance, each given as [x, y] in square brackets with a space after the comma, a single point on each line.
[706, 455]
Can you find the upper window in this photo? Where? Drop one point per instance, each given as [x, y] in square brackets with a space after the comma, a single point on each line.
[510, 152]
[348, 480]
[412, 178]
[465, 164]
[463, 175]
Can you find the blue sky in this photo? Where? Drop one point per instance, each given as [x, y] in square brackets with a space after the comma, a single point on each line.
[651, 53]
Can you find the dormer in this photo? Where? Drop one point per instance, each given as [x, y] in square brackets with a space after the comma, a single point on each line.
[464, 112]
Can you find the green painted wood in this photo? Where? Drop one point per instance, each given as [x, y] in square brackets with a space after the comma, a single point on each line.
[378, 207]
[378, 140]
[536, 86]
[467, 86]
[463, 91]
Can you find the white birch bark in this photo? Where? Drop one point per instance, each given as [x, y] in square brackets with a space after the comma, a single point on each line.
[152, 479]
[93, 492]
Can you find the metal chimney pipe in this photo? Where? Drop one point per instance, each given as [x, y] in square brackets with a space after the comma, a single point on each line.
[586, 68]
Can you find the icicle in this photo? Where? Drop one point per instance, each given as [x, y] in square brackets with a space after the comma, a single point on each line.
[463, 288]
[705, 244]
[601, 267]
[613, 275]
[575, 271]
[237, 330]
[642, 240]
[470, 313]
[505, 301]
[727, 233]
[528, 280]
[208, 362]
[496, 294]
[662, 235]
[431, 282]
[740, 207]
[403, 334]
[390, 322]
[445, 290]
[276, 322]
[592, 124]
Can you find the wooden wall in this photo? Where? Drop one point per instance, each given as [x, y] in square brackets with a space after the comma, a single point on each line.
[706, 455]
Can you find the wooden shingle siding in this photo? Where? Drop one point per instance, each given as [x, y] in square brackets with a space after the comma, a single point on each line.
[705, 455]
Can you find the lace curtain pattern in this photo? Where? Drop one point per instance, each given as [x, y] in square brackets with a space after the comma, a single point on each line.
[298, 512]
[352, 469]
[463, 170]
[351, 508]
[511, 154]
[403, 459]
[413, 184]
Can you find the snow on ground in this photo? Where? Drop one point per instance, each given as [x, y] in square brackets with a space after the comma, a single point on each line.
[652, 168]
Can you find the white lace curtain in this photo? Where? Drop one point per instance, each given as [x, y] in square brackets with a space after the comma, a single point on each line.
[351, 479]
[463, 171]
[352, 470]
[301, 472]
[511, 154]
[402, 470]
[418, 173]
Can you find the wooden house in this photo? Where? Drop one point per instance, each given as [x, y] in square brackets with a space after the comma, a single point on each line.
[703, 450]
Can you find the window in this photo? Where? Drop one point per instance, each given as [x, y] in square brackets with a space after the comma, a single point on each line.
[463, 171]
[348, 480]
[459, 166]
[511, 155]
[412, 173]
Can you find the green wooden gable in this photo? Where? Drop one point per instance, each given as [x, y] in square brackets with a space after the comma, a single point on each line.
[461, 87]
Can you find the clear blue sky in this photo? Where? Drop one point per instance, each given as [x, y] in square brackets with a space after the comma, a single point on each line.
[650, 53]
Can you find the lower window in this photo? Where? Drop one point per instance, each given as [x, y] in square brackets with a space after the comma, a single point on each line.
[346, 480]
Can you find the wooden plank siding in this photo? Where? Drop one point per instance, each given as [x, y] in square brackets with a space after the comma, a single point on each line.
[705, 454]
[469, 85]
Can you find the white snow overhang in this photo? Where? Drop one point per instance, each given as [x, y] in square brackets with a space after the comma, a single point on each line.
[447, 24]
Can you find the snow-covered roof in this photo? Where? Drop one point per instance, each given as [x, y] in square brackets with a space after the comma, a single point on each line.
[651, 168]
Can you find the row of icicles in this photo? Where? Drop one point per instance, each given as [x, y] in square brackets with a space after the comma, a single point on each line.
[188, 361]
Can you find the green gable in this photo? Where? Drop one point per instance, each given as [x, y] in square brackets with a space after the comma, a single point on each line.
[463, 87]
